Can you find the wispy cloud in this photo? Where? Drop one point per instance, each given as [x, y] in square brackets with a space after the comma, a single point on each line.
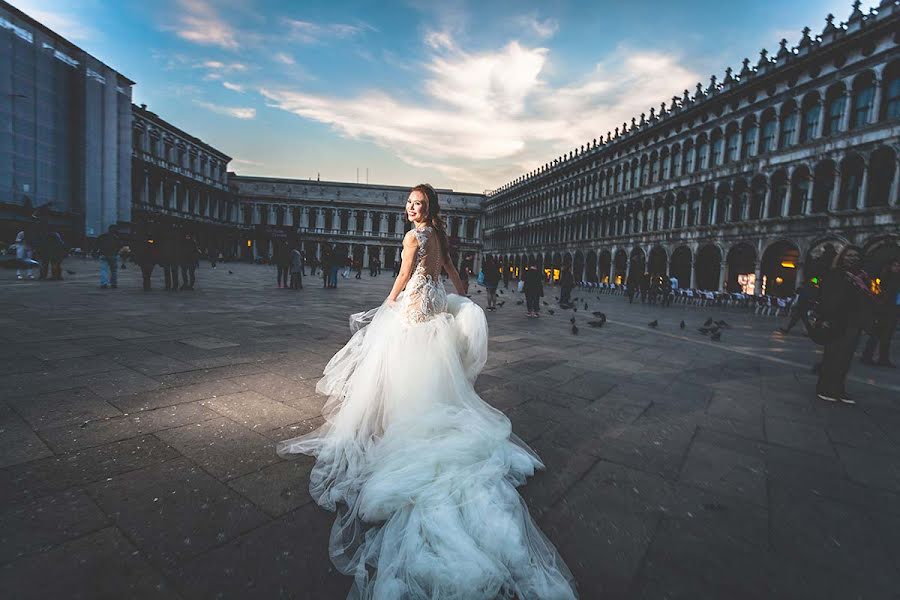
[229, 111]
[63, 21]
[485, 116]
[307, 32]
[199, 22]
[544, 29]
[249, 163]
[234, 87]
[284, 58]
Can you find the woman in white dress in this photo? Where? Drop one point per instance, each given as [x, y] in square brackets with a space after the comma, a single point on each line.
[420, 470]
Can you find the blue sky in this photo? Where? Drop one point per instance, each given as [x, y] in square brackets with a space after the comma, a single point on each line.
[460, 94]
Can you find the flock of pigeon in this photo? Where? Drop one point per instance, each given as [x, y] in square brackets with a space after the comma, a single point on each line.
[711, 328]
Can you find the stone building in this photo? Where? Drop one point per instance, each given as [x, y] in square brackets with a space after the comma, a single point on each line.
[66, 142]
[180, 181]
[750, 183]
[360, 220]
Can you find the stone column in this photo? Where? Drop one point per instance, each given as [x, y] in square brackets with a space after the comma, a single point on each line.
[836, 190]
[693, 272]
[845, 118]
[757, 285]
[863, 189]
[893, 200]
[366, 256]
[786, 204]
[820, 122]
[612, 265]
[876, 102]
[767, 200]
[723, 274]
[145, 189]
[288, 216]
[367, 225]
[399, 224]
[351, 223]
[384, 221]
[320, 218]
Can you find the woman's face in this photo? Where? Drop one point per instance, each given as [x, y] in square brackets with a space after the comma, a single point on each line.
[416, 207]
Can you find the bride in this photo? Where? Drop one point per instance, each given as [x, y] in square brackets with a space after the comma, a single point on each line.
[421, 471]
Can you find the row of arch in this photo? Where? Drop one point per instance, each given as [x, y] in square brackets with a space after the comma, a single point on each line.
[853, 181]
[774, 267]
[862, 99]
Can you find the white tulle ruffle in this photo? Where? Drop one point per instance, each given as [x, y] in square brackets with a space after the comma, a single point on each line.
[421, 471]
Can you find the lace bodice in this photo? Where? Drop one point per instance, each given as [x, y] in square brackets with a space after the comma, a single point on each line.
[425, 294]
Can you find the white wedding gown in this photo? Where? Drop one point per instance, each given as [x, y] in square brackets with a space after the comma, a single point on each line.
[421, 471]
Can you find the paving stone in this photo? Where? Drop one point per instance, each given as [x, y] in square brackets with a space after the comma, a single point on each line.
[222, 447]
[171, 396]
[66, 407]
[871, 469]
[46, 522]
[100, 565]
[18, 442]
[175, 510]
[255, 411]
[726, 472]
[279, 488]
[104, 431]
[48, 475]
[809, 438]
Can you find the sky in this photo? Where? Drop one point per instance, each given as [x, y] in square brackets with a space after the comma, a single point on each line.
[462, 95]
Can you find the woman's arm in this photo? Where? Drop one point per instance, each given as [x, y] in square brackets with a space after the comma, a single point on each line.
[410, 245]
[454, 276]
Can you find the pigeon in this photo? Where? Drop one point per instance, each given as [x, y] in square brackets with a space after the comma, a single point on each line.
[597, 313]
[709, 322]
[574, 309]
[501, 291]
[572, 320]
[544, 303]
[551, 311]
[574, 329]
[501, 303]
[477, 291]
[230, 272]
[704, 330]
[597, 323]
[69, 272]
[520, 302]
[716, 336]
[723, 324]
[556, 297]
[682, 325]
[653, 323]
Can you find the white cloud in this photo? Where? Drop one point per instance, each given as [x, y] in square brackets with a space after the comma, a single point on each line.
[543, 29]
[234, 87]
[307, 32]
[482, 117]
[198, 22]
[249, 163]
[229, 111]
[284, 58]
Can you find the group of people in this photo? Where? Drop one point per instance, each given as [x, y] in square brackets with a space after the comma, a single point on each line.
[289, 263]
[175, 250]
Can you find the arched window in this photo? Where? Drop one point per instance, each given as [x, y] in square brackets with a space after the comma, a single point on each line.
[634, 175]
[731, 145]
[863, 101]
[676, 161]
[688, 158]
[767, 143]
[788, 125]
[718, 145]
[751, 133]
[654, 168]
[834, 111]
[892, 92]
[702, 154]
[666, 165]
[810, 124]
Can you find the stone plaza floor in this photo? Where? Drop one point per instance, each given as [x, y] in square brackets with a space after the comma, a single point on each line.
[137, 445]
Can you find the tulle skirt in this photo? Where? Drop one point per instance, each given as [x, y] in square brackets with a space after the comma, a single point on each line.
[421, 471]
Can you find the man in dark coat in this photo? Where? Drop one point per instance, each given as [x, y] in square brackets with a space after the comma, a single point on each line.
[168, 258]
[534, 289]
[108, 246]
[188, 257]
[886, 308]
[146, 255]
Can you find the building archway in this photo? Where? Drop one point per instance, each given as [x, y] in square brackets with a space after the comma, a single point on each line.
[680, 266]
[590, 267]
[742, 269]
[779, 269]
[707, 267]
[578, 266]
[604, 264]
[620, 267]
[658, 262]
[881, 174]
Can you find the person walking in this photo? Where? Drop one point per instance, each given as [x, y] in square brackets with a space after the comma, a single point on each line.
[806, 296]
[357, 266]
[491, 279]
[886, 309]
[23, 252]
[296, 268]
[168, 259]
[566, 284]
[844, 310]
[188, 258]
[282, 260]
[146, 256]
[534, 290]
[108, 245]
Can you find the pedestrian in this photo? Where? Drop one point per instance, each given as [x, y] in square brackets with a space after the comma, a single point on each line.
[806, 296]
[357, 266]
[23, 252]
[491, 279]
[566, 284]
[463, 277]
[282, 264]
[887, 306]
[296, 268]
[534, 290]
[146, 256]
[844, 310]
[108, 246]
[326, 264]
[334, 266]
[188, 258]
[168, 258]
